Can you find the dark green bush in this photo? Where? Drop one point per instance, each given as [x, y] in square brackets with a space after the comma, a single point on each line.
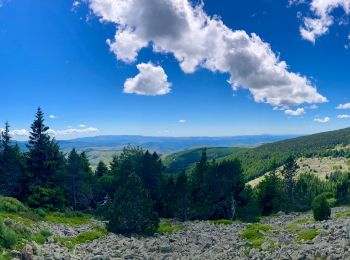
[321, 208]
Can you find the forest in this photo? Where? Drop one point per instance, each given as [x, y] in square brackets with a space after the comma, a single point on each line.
[134, 191]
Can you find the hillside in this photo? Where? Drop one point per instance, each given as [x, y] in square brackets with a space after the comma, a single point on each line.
[260, 160]
[178, 161]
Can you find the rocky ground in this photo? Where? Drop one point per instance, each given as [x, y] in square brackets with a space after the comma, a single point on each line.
[292, 236]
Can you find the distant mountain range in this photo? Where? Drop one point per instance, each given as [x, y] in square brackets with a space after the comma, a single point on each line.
[105, 146]
[164, 144]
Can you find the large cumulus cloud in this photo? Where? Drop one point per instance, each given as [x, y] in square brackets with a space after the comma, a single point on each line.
[199, 41]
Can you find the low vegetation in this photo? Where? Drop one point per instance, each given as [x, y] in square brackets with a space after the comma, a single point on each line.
[168, 228]
[222, 222]
[256, 234]
[71, 242]
[307, 235]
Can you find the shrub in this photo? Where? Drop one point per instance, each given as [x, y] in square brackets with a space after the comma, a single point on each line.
[8, 236]
[320, 207]
[41, 212]
[12, 205]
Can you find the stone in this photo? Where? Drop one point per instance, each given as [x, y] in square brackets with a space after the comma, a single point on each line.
[265, 246]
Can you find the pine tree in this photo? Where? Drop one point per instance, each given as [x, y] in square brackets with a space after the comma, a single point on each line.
[133, 210]
[78, 182]
[11, 166]
[180, 198]
[45, 168]
[101, 169]
[289, 173]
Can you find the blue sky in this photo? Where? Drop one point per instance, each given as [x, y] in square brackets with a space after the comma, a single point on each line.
[54, 54]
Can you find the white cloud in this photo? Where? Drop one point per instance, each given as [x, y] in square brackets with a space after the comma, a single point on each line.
[343, 106]
[182, 121]
[314, 27]
[322, 120]
[82, 126]
[19, 132]
[151, 81]
[72, 131]
[343, 116]
[199, 41]
[52, 116]
[297, 112]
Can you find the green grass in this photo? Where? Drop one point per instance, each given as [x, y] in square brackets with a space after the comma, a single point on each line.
[23, 219]
[293, 228]
[56, 218]
[168, 228]
[254, 234]
[343, 214]
[307, 235]
[71, 242]
[222, 222]
[303, 220]
[41, 237]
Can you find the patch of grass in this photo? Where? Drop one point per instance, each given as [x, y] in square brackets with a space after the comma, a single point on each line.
[71, 242]
[307, 235]
[57, 217]
[343, 214]
[222, 222]
[41, 237]
[302, 220]
[293, 228]
[168, 228]
[254, 234]
[23, 219]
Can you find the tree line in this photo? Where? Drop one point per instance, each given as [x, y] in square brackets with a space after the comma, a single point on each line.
[133, 191]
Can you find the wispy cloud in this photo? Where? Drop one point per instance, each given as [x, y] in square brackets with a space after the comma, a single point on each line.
[343, 116]
[297, 112]
[322, 120]
[343, 106]
[182, 121]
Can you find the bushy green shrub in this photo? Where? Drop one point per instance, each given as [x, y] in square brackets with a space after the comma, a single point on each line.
[41, 212]
[8, 236]
[12, 205]
[320, 207]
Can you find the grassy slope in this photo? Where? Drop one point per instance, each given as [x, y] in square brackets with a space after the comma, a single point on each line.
[178, 161]
[259, 160]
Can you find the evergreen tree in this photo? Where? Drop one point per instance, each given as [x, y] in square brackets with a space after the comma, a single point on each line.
[45, 168]
[11, 166]
[101, 169]
[198, 193]
[78, 181]
[133, 210]
[271, 194]
[151, 174]
[180, 198]
[289, 173]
